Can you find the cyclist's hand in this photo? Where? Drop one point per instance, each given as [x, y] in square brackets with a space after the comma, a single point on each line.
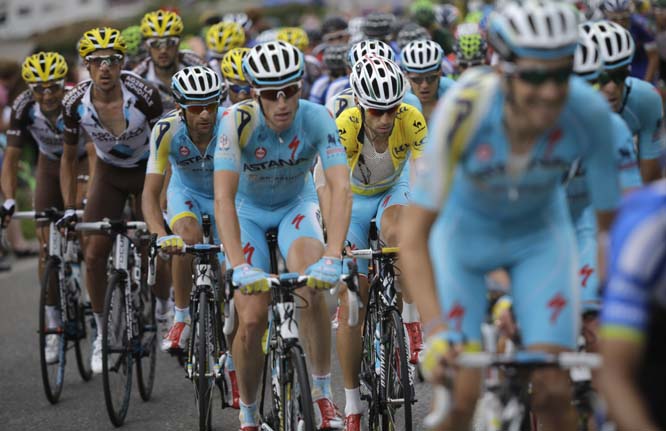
[437, 356]
[324, 274]
[172, 244]
[6, 211]
[68, 219]
[250, 280]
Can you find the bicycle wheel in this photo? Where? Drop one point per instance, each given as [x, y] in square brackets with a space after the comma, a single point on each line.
[116, 351]
[202, 365]
[296, 398]
[86, 332]
[398, 388]
[53, 370]
[368, 376]
[146, 356]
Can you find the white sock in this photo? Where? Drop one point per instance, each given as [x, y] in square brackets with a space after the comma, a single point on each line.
[353, 403]
[98, 319]
[409, 313]
[161, 306]
[52, 317]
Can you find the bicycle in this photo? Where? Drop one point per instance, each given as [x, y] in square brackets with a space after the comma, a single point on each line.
[513, 391]
[129, 331]
[61, 285]
[207, 346]
[387, 378]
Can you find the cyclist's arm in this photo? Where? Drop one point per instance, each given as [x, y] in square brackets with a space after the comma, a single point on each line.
[158, 163]
[17, 135]
[92, 159]
[651, 135]
[10, 171]
[69, 162]
[150, 203]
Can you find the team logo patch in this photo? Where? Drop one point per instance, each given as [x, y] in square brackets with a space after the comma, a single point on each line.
[484, 152]
[260, 153]
[184, 151]
[224, 142]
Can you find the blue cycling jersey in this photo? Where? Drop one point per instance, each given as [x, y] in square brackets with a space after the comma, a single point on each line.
[637, 264]
[318, 90]
[642, 111]
[170, 143]
[275, 167]
[472, 163]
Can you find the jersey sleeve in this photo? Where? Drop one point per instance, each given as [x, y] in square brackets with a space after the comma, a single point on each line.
[630, 176]
[227, 151]
[160, 146]
[19, 120]
[331, 151]
[411, 99]
[636, 262]
[70, 113]
[348, 123]
[651, 134]
[148, 97]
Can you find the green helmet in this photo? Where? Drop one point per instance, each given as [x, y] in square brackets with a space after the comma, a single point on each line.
[132, 36]
[470, 46]
[423, 13]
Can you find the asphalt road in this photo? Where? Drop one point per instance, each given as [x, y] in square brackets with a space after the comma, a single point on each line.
[23, 405]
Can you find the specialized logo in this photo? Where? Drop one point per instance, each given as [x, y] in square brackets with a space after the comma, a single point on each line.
[248, 251]
[484, 152]
[260, 153]
[297, 221]
[293, 146]
[189, 204]
[554, 137]
[585, 272]
[184, 151]
[457, 313]
[556, 304]
[386, 201]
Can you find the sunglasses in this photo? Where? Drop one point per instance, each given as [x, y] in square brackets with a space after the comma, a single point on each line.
[541, 76]
[274, 94]
[618, 76]
[105, 60]
[418, 80]
[239, 88]
[52, 87]
[162, 42]
[198, 109]
[380, 112]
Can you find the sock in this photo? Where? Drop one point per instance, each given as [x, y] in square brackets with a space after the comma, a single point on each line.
[248, 414]
[98, 321]
[182, 314]
[52, 317]
[353, 403]
[161, 306]
[409, 313]
[321, 387]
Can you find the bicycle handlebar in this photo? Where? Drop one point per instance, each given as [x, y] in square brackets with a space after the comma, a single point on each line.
[50, 214]
[370, 253]
[110, 225]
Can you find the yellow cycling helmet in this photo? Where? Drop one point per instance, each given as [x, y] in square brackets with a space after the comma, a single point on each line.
[161, 23]
[101, 38]
[232, 64]
[223, 36]
[295, 36]
[44, 67]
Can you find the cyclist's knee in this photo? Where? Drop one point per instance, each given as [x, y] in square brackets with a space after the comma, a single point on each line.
[189, 230]
[551, 390]
[252, 322]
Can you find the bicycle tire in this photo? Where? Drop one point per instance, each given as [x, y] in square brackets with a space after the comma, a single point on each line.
[146, 357]
[86, 333]
[397, 380]
[368, 377]
[53, 375]
[116, 354]
[301, 394]
[203, 382]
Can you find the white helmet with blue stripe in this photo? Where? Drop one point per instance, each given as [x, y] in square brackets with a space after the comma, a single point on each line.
[197, 84]
[615, 43]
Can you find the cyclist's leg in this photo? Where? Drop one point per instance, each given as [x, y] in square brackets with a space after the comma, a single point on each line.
[462, 294]
[545, 300]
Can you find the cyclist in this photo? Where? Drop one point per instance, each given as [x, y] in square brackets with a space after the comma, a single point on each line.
[633, 319]
[116, 109]
[500, 143]
[645, 62]
[161, 31]
[313, 69]
[379, 26]
[232, 71]
[135, 47]
[637, 101]
[334, 31]
[262, 180]
[337, 78]
[411, 32]
[470, 48]
[36, 118]
[185, 139]
[220, 39]
[379, 135]
[421, 61]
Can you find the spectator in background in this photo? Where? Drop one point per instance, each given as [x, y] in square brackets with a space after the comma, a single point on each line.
[646, 59]
[659, 12]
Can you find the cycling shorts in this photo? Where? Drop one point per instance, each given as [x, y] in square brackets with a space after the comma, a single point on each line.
[183, 202]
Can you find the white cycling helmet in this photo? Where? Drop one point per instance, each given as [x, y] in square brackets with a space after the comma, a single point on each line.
[616, 6]
[541, 29]
[421, 56]
[267, 35]
[273, 64]
[239, 18]
[197, 84]
[615, 44]
[377, 82]
[587, 59]
[366, 47]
